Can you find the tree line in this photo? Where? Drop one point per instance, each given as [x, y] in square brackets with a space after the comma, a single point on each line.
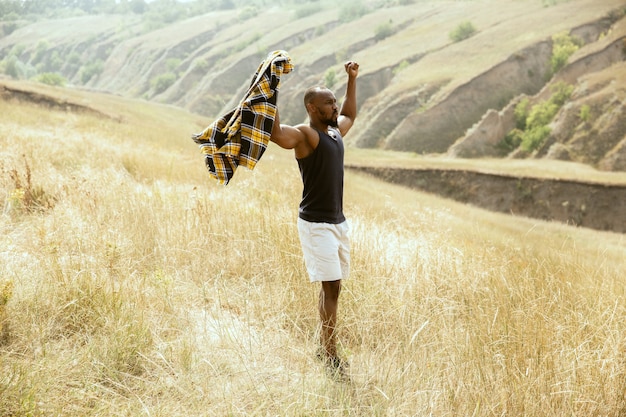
[21, 9]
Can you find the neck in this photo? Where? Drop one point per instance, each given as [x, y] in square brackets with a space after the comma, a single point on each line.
[319, 126]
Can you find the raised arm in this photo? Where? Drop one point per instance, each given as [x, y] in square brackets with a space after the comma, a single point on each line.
[299, 138]
[348, 108]
[287, 137]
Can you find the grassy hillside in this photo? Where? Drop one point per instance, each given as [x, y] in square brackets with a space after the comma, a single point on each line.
[131, 284]
[421, 89]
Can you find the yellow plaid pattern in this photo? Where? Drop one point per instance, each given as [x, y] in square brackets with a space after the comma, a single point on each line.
[240, 137]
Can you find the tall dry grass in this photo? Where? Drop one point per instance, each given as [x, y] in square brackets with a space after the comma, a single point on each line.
[136, 286]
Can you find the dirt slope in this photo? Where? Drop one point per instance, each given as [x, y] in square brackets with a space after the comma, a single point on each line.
[585, 204]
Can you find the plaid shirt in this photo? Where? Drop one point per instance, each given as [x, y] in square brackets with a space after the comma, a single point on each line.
[240, 137]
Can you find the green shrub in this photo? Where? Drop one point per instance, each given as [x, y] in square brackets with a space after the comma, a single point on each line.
[307, 10]
[51, 78]
[138, 6]
[532, 123]
[352, 10]
[382, 31]
[91, 70]
[17, 69]
[534, 137]
[200, 65]
[172, 64]
[401, 66]
[40, 50]
[330, 78]
[511, 141]
[561, 92]
[9, 27]
[563, 46]
[12, 67]
[55, 62]
[521, 113]
[541, 114]
[74, 58]
[247, 13]
[585, 113]
[162, 82]
[463, 31]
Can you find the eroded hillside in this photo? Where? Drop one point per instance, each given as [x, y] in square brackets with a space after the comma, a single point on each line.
[419, 91]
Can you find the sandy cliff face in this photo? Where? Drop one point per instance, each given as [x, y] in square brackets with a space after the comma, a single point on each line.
[591, 125]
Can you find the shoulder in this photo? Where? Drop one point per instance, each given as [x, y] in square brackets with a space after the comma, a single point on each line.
[311, 135]
[310, 142]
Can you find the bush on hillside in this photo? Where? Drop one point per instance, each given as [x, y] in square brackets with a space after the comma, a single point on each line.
[585, 113]
[382, 31]
[247, 12]
[91, 70]
[40, 51]
[15, 68]
[162, 82]
[9, 27]
[330, 78]
[532, 123]
[172, 64]
[511, 141]
[54, 62]
[563, 46]
[521, 113]
[533, 138]
[307, 10]
[51, 78]
[463, 31]
[352, 10]
[404, 64]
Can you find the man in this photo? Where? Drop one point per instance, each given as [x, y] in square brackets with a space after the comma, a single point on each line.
[318, 148]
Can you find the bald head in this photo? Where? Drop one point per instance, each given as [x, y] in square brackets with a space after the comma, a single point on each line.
[312, 92]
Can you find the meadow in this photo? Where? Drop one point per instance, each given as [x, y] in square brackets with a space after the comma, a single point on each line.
[132, 284]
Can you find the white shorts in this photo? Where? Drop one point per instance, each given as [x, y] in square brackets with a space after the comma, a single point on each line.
[326, 249]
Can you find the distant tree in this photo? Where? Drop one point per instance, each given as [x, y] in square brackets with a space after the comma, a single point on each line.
[9, 27]
[226, 5]
[10, 8]
[172, 64]
[40, 51]
[330, 78]
[138, 6]
[307, 10]
[247, 12]
[11, 67]
[162, 82]
[91, 70]
[352, 10]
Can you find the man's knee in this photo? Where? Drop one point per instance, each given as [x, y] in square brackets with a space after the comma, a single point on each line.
[331, 289]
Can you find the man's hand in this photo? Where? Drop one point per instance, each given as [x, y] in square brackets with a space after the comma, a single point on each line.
[352, 68]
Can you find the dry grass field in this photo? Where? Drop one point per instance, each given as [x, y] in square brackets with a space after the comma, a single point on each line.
[132, 285]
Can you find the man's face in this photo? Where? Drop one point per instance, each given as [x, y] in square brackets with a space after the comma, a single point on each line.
[325, 105]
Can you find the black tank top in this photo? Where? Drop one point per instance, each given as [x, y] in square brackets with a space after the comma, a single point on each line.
[322, 176]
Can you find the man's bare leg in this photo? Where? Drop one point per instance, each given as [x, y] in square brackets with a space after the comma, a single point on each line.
[329, 300]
